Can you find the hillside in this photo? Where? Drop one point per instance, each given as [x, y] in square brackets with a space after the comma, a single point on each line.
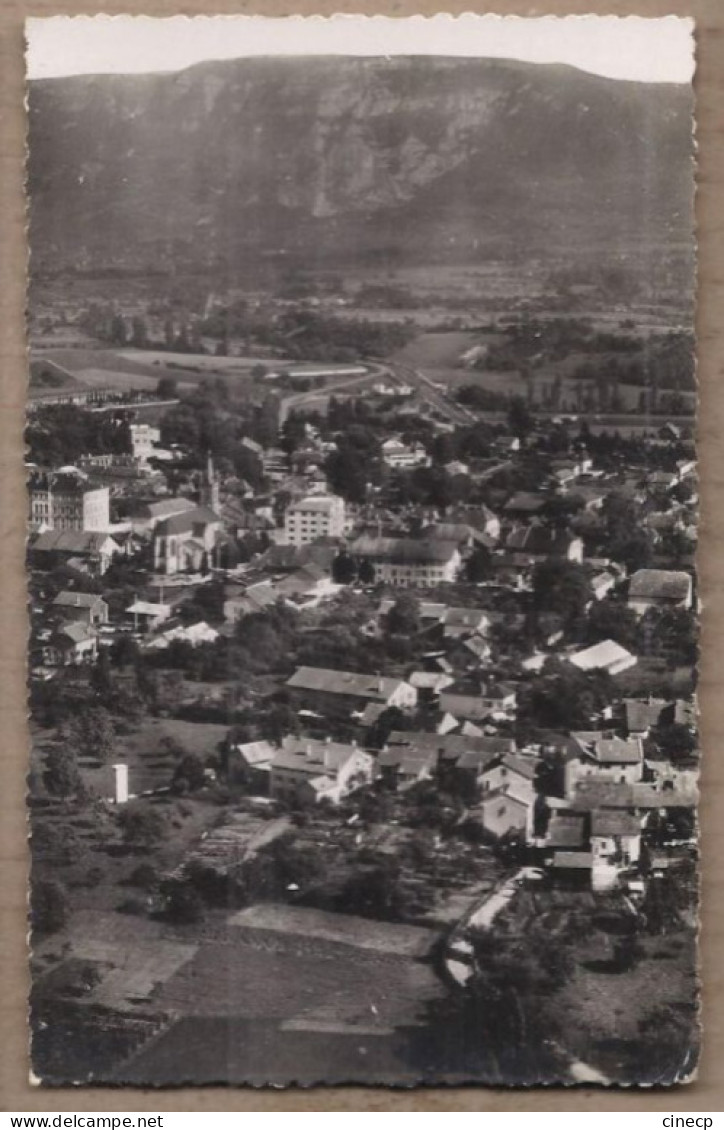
[329, 159]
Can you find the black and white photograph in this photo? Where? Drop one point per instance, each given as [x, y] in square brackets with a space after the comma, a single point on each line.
[361, 551]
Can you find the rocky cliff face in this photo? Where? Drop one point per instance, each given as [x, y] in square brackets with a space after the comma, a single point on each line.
[336, 157]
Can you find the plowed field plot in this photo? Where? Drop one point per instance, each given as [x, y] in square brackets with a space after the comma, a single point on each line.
[286, 976]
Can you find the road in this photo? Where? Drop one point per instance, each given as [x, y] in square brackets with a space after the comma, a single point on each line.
[427, 389]
[394, 371]
[459, 957]
[298, 400]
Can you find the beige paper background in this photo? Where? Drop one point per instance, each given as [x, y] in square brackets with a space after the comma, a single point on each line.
[707, 1093]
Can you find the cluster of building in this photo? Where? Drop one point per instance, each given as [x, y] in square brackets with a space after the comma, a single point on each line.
[582, 801]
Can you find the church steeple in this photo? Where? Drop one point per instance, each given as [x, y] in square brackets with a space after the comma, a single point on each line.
[209, 493]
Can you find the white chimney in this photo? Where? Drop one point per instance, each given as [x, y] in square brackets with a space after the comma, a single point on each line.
[121, 778]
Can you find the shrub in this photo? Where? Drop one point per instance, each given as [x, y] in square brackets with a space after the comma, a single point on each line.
[131, 906]
[144, 876]
[48, 906]
[183, 904]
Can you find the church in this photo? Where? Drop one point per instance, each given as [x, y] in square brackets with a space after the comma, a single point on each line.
[189, 542]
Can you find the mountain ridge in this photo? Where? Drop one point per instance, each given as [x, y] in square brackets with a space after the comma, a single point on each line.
[336, 158]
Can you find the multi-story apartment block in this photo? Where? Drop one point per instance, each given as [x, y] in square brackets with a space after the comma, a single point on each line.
[316, 516]
[67, 500]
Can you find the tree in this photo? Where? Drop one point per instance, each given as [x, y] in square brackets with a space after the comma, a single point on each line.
[117, 333]
[563, 698]
[183, 904]
[344, 571]
[520, 420]
[139, 333]
[478, 566]
[189, 773]
[366, 572]
[91, 732]
[612, 620]
[293, 433]
[48, 906]
[167, 388]
[560, 587]
[348, 473]
[62, 776]
[390, 719]
[633, 548]
[403, 617]
[675, 632]
[675, 741]
[100, 679]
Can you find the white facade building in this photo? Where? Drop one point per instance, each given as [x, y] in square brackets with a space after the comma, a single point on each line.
[409, 562]
[316, 516]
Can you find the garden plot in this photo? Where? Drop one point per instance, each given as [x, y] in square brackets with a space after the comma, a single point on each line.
[362, 933]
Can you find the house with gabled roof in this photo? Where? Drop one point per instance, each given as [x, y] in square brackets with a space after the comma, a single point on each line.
[566, 831]
[88, 608]
[509, 810]
[520, 768]
[403, 766]
[487, 700]
[461, 622]
[640, 716]
[537, 542]
[601, 757]
[305, 771]
[342, 693]
[71, 645]
[659, 589]
[249, 763]
[523, 504]
[615, 839]
[93, 552]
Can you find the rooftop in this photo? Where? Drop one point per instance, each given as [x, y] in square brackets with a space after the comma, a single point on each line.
[604, 654]
[405, 551]
[615, 823]
[185, 522]
[72, 541]
[660, 584]
[375, 687]
[68, 599]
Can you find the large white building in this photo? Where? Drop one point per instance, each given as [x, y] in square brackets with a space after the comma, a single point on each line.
[67, 500]
[397, 454]
[409, 562]
[316, 516]
[144, 439]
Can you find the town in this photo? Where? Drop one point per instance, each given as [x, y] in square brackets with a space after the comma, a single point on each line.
[350, 656]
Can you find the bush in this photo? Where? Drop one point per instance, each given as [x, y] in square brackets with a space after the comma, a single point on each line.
[48, 906]
[144, 876]
[183, 904]
[131, 906]
[142, 824]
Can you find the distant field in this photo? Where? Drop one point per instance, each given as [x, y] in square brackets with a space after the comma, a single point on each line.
[439, 354]
[437, 350]
[201, 361]
[101, 378]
